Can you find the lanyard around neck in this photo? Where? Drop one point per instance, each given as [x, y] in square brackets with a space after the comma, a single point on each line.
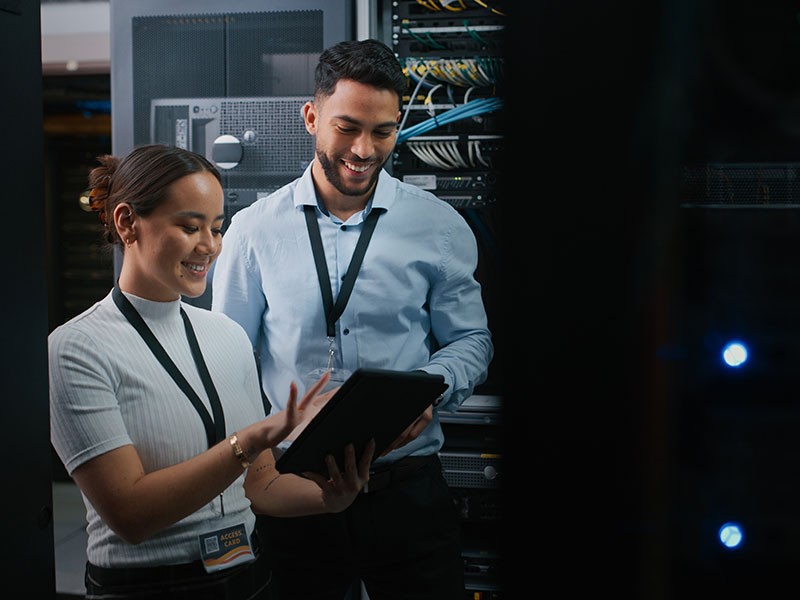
[334, 311]
[215, 429]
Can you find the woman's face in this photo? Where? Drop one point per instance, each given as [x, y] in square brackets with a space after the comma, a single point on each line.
[177, 243]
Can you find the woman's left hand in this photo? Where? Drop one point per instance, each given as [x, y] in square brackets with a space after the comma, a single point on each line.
[340, 488]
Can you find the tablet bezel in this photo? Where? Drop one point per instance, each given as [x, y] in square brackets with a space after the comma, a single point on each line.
[379, 403]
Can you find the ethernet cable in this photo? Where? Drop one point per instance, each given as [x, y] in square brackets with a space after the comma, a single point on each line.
[462, 72]
[445, 154]
[472, 108]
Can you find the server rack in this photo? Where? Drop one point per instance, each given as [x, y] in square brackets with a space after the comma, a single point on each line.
[472, 465]
[451, 137]
[451, 142]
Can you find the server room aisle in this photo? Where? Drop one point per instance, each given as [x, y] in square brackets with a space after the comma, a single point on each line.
[69, 533]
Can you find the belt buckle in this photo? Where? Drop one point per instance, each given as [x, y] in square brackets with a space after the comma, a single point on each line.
[365, 489]
[378, 480]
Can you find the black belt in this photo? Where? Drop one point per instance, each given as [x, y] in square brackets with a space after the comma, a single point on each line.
[405, 468]
[117, 576]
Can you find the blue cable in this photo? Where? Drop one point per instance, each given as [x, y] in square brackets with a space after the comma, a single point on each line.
[465, 111]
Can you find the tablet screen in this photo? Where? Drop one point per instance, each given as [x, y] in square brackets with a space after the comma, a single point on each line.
[372, 403]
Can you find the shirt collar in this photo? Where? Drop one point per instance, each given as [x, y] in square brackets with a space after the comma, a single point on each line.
[382, 197]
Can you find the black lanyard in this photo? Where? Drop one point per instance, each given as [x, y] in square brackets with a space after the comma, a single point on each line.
[334, 311]
[215, 429]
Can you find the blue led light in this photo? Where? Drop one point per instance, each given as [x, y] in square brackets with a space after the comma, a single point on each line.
[734, 354]
[731, 535]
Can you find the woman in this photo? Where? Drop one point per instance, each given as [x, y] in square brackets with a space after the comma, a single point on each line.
[156, 408]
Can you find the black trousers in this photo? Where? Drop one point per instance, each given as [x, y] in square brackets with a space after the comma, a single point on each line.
[402, 540]
[249, 581]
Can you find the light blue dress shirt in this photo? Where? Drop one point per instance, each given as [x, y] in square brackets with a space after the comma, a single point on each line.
[415, 304]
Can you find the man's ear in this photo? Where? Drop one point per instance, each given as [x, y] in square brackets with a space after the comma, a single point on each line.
[310, 117]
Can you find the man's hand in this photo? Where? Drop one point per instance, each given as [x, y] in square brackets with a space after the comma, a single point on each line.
[412, 431]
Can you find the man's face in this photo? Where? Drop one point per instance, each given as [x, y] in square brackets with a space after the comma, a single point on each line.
[356, 131]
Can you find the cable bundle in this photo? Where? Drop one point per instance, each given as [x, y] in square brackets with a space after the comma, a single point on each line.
[445, 154]
[461, 72]
[470, 109]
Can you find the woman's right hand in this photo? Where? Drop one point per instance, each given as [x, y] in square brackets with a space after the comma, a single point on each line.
[271, 431]
[310, 411]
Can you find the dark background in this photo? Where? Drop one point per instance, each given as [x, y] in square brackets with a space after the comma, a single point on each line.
[626, 447]
[26, 507]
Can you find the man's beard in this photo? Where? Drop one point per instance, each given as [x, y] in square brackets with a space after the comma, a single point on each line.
[332, 175]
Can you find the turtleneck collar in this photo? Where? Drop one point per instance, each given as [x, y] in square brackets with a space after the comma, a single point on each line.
[155, 311]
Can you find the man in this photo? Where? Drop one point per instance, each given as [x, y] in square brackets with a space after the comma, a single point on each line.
[316, 290]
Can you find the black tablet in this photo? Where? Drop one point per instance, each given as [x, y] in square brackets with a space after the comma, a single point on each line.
[372, 403]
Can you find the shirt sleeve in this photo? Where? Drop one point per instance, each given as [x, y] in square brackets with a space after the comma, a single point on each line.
[235, 291]
[458, 318]
[85, 417]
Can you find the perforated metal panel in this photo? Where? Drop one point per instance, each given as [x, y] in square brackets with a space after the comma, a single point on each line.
[273, 138]
[742, 184]
[281, 142]
[273, 53]
[174, 56]
[232, 55]
[471, 469]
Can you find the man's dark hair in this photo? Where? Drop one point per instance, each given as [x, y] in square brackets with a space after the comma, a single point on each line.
[367, 61]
